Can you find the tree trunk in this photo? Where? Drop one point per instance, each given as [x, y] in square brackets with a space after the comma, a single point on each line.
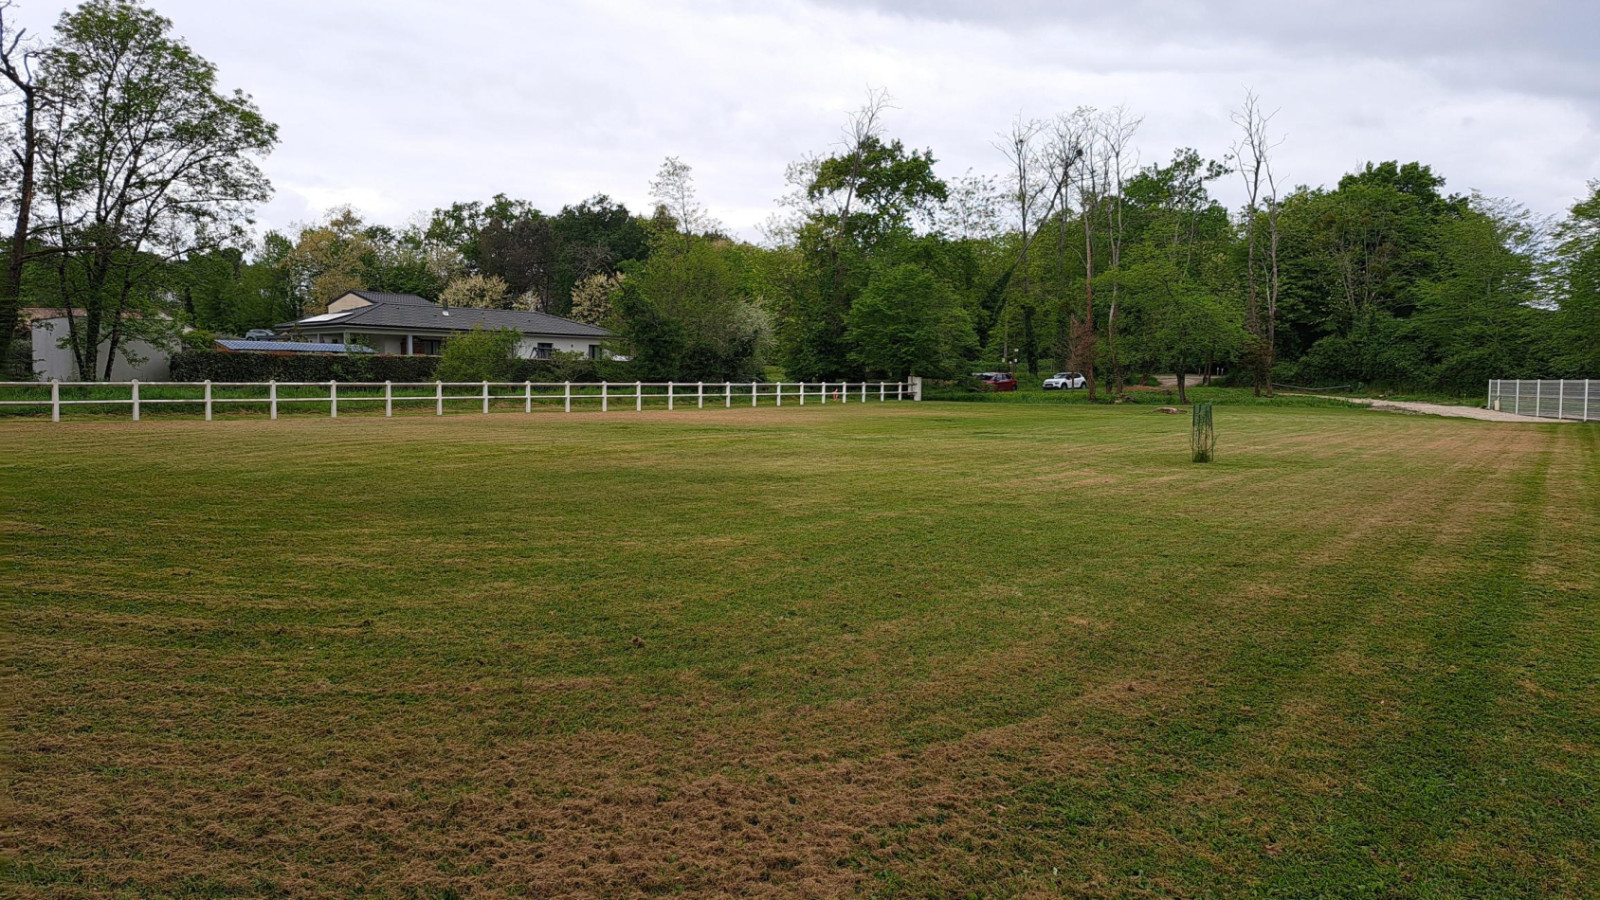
[1183, 395]
[11, 290]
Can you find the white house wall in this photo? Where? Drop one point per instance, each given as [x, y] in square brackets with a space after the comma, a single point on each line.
[51, 361]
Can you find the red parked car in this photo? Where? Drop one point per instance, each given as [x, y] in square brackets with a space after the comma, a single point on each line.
[998, 381]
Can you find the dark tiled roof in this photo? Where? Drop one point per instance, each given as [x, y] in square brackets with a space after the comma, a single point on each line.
[456, 318]
[395, 299]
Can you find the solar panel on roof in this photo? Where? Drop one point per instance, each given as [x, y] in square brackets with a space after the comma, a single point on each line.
[291, 347]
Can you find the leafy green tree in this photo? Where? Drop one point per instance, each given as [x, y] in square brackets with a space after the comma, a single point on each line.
[907, 322]
[690, 312]
[1575, 329]
[144, 161]
[482, 354]
[1473, 321]
[855, 213]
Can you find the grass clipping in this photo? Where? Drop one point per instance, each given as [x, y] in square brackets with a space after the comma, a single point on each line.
[1202, 434]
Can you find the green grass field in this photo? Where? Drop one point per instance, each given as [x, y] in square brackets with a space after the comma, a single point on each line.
[931, 650]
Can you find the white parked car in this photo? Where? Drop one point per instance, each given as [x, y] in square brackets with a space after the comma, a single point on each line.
[1064, 381]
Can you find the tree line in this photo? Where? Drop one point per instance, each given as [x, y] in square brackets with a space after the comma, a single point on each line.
[132, 176]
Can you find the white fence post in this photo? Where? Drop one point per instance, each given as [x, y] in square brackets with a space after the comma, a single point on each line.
[700, 394]
[55, 400]
[778, 393]
[527, 396]
[802, 393]
[824, 393]
[863, 392]
[882, 392]
[486, 398]
[1516, 398]
[1586, 399]
[1489, 400]
[438, 398]
[1538, 395]
[670, 392]
[388, 399]
[208, 399]
[333, 399]
[605, 402]
[136, 399]
[272, 398]
[752, 394]
[568, 397]
[1561, 399]
[727, 394]
[638, 396]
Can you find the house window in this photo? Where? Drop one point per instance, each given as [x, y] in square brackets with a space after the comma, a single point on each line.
[594, 351]
[543, 350]
[427, 346]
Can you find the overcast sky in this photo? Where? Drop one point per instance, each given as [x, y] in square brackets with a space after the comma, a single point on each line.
[396, 106]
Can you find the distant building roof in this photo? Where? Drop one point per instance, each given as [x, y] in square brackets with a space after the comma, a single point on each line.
[394, 299]
[288, 347]
[425, 316]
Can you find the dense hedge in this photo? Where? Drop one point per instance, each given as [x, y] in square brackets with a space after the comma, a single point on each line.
[215, 365]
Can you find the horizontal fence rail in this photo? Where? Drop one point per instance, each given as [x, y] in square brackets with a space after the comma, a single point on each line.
[478, 396]
[1548, 399]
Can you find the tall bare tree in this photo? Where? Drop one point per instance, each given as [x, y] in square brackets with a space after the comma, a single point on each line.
[1115, 131]
[673, 190]
[1027, 185]
[1252, 153]
[22, 146]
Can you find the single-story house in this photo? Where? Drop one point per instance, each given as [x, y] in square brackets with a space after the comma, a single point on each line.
[408, 325]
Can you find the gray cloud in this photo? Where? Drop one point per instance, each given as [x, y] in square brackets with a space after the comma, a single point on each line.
[397, 106]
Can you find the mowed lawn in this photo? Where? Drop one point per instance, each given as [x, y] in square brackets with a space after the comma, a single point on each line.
[897, 650]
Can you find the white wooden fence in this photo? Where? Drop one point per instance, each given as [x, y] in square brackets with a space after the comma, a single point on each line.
[1570, 399]
[483, 396]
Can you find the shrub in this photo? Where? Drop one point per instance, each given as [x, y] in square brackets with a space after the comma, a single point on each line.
[216, 365]
[482, 354]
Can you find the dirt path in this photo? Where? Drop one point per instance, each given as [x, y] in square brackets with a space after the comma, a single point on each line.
[1438, 409]
[1405, 406]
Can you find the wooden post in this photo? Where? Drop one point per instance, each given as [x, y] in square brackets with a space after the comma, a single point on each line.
[208, 399]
